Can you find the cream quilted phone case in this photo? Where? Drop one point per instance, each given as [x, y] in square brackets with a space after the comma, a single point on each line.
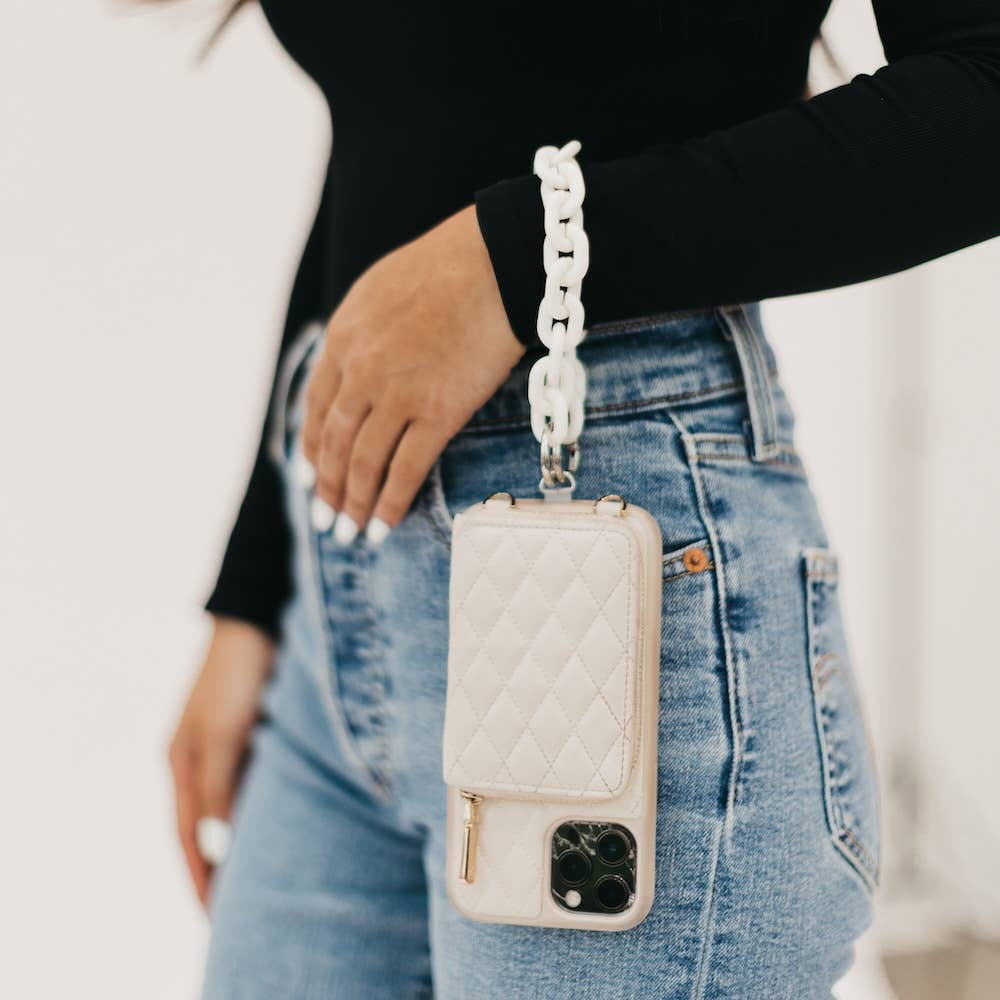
[550, 736]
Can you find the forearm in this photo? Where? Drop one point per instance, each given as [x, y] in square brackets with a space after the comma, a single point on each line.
[878, 175]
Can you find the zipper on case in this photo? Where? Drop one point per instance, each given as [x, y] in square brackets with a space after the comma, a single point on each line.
[470, 835]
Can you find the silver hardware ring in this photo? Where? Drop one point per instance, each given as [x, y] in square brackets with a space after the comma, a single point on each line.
[553, 473]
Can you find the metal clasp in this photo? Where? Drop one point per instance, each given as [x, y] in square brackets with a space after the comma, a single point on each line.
[557, 482]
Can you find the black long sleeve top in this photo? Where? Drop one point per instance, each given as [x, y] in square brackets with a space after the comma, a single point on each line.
[709, 179]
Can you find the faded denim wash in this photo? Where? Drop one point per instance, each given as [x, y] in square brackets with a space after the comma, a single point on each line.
[768, 838]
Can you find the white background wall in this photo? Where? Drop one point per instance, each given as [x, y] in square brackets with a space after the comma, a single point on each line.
[150, 218]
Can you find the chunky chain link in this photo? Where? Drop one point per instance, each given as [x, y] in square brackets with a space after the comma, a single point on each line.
[557, 384]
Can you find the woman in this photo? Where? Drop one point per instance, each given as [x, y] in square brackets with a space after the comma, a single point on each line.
[709, 182]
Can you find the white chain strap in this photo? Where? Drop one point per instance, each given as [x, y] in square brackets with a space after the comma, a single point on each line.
[557, 385]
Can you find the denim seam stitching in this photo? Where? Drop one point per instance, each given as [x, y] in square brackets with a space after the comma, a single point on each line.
[784, 453]
[330, 684]
[789, 463]
[707, 929]
[651, 402]
[334, 710]
[757, 376]
[315, 601]
[763, 379]
[375, 658]
[735, 716]
[764, 449]
[688, 572]
[859, 860]
[436, 511]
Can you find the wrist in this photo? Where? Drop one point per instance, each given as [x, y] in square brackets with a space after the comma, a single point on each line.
[473, 257]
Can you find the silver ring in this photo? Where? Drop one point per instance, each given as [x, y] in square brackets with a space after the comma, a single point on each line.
[559, 491]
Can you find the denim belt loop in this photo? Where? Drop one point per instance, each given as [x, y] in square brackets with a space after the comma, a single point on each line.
[749, 343]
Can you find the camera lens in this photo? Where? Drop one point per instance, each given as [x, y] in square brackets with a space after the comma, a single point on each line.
[612, 848]
[574, 867]
[612, 893]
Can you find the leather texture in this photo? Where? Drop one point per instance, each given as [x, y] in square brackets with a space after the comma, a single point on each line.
[542, 673]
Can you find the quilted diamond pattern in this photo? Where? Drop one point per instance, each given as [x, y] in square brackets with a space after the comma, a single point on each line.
[541, 666]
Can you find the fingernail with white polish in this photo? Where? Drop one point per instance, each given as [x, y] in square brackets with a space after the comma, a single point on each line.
[213, 836]
[346, 530]
[322, 515]
[377, 531]
[305, 474]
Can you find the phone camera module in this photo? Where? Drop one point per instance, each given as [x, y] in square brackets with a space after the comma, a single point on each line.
[593, 867]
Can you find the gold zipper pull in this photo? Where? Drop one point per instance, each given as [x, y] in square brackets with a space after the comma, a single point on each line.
[470, 836]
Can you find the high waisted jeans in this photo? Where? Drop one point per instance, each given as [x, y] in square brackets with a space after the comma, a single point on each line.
[767, 828]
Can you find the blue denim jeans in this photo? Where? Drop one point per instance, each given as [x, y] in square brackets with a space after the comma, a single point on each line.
[767, 827]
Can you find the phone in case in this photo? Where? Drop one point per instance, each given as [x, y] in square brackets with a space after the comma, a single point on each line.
[550, 741]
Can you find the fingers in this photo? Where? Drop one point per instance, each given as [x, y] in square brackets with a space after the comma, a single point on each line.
[418, 450]
[364, 453]
[340, 428]
[382, 464]
[363, 474]
[188, 813]
[320, 392]
[204, 785]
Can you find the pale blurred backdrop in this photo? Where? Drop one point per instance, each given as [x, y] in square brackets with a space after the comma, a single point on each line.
[151, 214]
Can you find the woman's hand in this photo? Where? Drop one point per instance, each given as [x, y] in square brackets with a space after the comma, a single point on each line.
[418, 344]
[207, 751]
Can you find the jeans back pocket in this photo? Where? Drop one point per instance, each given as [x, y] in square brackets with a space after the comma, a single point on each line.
[850, 787]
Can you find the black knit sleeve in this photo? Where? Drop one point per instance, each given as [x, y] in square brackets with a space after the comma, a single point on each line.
[886, 172]
[254, 581]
